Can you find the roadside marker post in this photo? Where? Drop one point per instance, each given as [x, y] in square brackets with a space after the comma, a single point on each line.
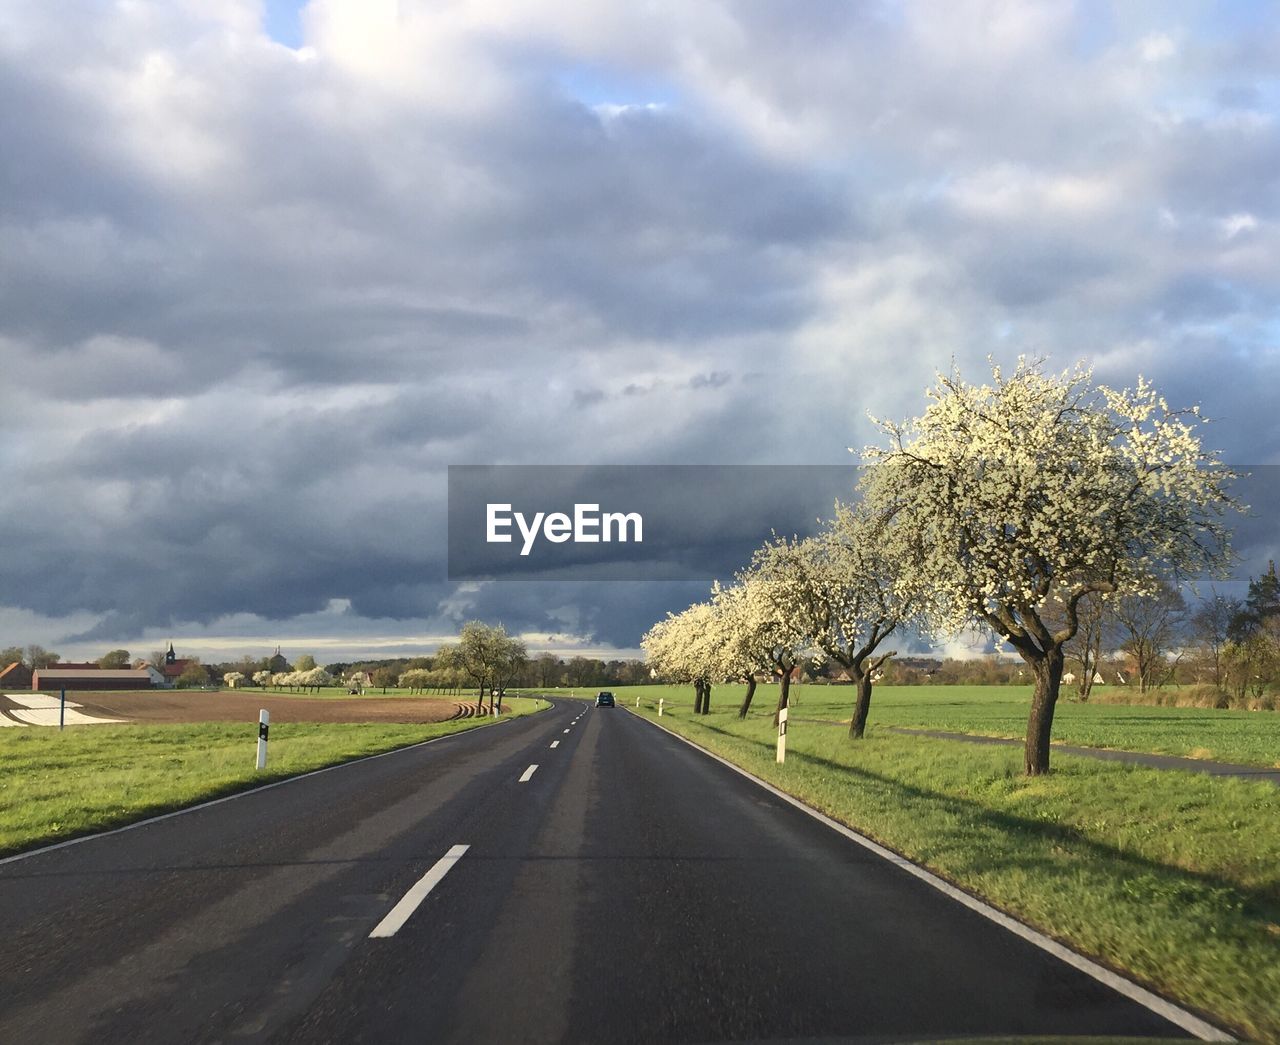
[661, 701]
[782, 735]
[62, 710]
[264, 724]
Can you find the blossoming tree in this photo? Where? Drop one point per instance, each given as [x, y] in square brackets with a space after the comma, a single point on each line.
[780, 634]
[848, 594]
[684, 647]
[744, 641]
[1039, 489]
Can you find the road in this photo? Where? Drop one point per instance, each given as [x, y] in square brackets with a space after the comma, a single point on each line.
[628, 889]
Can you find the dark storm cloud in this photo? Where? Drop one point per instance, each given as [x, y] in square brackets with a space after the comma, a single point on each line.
[695, 522]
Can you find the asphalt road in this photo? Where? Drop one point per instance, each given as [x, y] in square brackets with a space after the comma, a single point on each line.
[630, 889]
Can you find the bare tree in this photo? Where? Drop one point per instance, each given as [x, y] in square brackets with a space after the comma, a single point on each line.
[548, 668]
[1147, 628]
[1086, 645]
[39, 657]
[1211, 627]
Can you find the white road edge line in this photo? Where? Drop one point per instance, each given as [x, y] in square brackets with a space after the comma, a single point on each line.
[1175, 1014]
[228, 798]
[402, 911]
[555, 743]
[529, 773]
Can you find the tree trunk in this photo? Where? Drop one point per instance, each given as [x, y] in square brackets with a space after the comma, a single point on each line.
[784, 693]
[1048, 675]
[1092, 651]
[697, 698]
[746, 701]
[706, 698]
[858, 724]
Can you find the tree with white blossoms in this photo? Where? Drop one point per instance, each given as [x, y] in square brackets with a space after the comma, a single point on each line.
[262, 678]
[233, 679]
[683, 648]
[415, 680]
[782, 638]
[315, 679]
[847, 594]
[742, 638]
[1042, 488]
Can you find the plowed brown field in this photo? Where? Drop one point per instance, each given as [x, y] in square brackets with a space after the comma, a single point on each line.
[232, 706]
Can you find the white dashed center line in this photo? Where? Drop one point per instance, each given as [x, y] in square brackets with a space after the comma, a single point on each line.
[528, 773]
[400, 913]
[555, 743]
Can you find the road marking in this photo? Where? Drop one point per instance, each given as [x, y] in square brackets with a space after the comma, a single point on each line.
[1175, 1014]
[528, 773]
[400, 913]
[566, 731]
[555, 743]
[230, 798]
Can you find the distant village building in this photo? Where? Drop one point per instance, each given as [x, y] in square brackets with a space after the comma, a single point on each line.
[62, 677]
[15, 676]
[173, 666]
[277, 663]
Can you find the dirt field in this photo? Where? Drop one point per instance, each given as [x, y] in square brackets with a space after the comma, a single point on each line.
[230, 706]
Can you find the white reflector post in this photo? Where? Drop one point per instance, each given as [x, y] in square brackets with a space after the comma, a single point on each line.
[264, 721]
[782, 735]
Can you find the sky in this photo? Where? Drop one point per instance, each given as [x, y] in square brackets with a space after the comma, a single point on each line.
[268, 269]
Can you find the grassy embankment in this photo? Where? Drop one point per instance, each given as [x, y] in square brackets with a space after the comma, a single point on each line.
[1169, 876]
[57, 785]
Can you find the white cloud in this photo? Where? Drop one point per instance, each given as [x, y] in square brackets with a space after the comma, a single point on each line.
[1235, 224]
[1157, 47]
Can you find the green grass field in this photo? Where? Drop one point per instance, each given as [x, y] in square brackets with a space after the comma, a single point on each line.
[1248, 737]
[56, 785]
[1169, 876]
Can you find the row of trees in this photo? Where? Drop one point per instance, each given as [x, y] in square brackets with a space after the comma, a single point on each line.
[543, 670]
[1012, 506]
[484, 658]
[834, 596]
[313, 679]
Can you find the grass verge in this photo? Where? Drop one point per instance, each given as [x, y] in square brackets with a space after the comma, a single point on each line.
[1169, 877]
[1247, 737]
[55, 786]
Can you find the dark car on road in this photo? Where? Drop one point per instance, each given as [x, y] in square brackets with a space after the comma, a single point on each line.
[604, 700]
